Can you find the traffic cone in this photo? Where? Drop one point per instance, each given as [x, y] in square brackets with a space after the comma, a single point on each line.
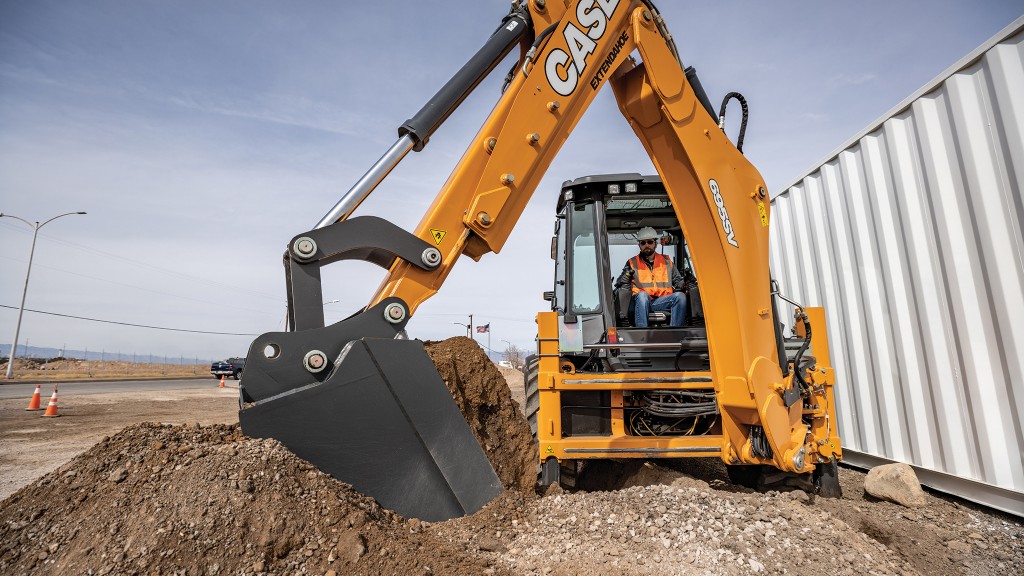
[222, 381]
[33, 404]
[51, 408]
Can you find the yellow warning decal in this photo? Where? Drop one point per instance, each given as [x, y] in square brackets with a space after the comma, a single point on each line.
[438, 235]
[764, 214]
[549, 449]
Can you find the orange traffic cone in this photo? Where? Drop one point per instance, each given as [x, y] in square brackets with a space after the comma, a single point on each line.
[33, 404]
[51, 408]
[222, 381]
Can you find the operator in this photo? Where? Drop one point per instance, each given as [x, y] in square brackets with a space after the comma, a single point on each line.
[656, 283]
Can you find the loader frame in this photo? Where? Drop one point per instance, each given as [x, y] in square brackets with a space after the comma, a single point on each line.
[583, 391]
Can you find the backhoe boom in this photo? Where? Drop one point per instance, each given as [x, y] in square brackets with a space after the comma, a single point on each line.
[718, 197]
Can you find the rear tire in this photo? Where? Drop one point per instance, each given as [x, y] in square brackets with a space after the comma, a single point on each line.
[532, 393]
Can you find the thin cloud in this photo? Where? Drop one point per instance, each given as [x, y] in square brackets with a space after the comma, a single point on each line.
[845, 79]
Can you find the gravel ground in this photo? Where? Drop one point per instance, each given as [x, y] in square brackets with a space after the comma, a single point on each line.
[667, 521]
[203, 499]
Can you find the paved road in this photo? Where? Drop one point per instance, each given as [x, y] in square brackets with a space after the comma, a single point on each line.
[25, 390]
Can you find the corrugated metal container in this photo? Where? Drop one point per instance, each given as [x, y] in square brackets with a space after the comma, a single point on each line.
[911, 237]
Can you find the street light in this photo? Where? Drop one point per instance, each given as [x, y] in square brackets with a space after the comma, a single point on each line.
[468, 327]
[21, 310]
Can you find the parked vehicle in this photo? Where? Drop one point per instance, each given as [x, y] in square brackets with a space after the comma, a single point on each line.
[231, 367]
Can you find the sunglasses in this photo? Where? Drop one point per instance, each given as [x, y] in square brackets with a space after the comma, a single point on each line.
[642, 242]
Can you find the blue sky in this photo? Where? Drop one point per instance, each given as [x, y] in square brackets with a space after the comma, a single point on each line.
[202, 136]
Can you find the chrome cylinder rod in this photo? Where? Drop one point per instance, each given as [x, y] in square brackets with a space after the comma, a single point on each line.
[362, 188]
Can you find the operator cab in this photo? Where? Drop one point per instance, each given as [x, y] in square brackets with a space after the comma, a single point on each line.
[599, 218]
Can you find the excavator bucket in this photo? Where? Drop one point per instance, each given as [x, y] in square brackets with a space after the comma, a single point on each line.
[357, 399]
[386, 424]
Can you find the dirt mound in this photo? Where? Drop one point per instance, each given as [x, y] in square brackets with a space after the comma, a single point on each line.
[73, 368]
[192, 499]
[483, 396]
[207, 500]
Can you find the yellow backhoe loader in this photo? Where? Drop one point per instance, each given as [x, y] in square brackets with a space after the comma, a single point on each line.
[363, 402]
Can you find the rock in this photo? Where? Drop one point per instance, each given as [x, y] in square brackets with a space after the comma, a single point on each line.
[119, 475]
[351, 546]
[959, 547]
[488, 544]
[553, 489]
[895, 482]
[800, 496]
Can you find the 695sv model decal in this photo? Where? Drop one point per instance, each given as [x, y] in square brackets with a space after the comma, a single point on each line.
[730, 234]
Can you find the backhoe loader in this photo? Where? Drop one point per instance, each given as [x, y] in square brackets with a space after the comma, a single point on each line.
[362, 401]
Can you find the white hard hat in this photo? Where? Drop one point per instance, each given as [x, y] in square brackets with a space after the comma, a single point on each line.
[647, 233]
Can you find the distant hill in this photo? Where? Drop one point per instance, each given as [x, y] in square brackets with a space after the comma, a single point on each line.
[101, 355]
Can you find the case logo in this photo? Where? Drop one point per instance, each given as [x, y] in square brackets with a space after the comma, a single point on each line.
[730, 234]
[564, 69]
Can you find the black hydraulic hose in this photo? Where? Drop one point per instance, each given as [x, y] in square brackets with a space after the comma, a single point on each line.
[800, 353]
[743, 123]
[529, 57]
[807, 339]
[448, 98]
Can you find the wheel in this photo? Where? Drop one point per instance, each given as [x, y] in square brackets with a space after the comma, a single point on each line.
[237, 375]
[530, 388]
[826, 480]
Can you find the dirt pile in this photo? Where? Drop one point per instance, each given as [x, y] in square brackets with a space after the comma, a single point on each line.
[73, 368]
[495, 418]
[206, 500]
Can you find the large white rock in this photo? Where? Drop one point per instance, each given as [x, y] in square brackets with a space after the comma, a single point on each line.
[895, 482]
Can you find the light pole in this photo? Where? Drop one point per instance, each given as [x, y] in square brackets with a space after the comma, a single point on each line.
[468, 327]
[21, 310]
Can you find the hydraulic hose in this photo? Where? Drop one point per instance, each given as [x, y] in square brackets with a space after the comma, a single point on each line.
[743, 122]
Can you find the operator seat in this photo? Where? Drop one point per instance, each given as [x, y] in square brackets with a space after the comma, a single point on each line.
[624, 312]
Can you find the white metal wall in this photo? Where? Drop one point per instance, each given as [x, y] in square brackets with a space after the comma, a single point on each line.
[910, 236]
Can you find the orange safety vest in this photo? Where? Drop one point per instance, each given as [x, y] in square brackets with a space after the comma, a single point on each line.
[655, 282]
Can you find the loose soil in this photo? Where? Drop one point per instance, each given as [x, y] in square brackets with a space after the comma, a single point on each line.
[485, 399]
[201, 498]
[31, 446]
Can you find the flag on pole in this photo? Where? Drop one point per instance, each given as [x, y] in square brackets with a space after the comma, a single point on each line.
[483, 329]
